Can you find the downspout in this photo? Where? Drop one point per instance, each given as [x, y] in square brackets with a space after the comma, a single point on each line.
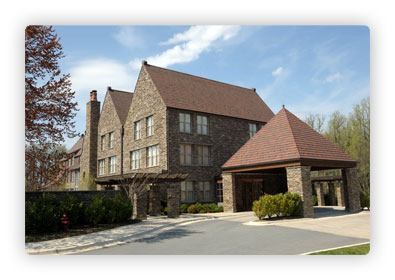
[122, 133]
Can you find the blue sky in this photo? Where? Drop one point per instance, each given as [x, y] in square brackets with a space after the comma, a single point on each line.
[310, 69]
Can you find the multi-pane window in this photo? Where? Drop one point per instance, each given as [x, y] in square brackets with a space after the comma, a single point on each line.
[136, 159]
[204, 190]
[252, 129]
[186, 154]
[72, 160]
[113, 164]
[220, 192]
[150, 125]
[102, 166]
[185, 123]
[202, 125]
[111, 141]
[153, 156]
[203, 155]
[103, 142]
[137, 130]
[187, 193]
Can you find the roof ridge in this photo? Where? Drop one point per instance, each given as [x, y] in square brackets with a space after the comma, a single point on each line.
[292, 132]
[113, 90]
[203, 78]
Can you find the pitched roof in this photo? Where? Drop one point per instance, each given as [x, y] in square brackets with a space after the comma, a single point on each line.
[188, 92]
[286, 138]
[77, 147]
[121, 101]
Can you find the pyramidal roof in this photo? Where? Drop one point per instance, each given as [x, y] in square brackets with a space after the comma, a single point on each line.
[188, 92]
[285, 138]
[121, 101]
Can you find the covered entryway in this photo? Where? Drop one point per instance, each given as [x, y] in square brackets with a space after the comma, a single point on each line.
[282, 154]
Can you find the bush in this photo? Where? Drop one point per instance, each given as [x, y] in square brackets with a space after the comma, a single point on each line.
[288, 204]
[72, 207]
[280, 204]
[365, 200]
[30, 216]
[192, 209]
[315, 200]
[43, 214]
[184, 208]
[110, 213]
[296, 204]
[123, 209]
[219, 209]
[94, 212]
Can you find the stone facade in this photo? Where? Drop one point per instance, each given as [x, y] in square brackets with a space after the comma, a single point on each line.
[229, 192]
[88, 164]
[298, 179]
[332, 193]
[173, 200]
[351, 190]
[154, 200]
[340, 194]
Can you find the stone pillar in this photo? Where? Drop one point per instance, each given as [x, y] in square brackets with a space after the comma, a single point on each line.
[340, 194]
[154, 200]
[173, 200]
[351, 190]
[298, 180]
[319, 189]
[229, 193]
[332, 193]
[140, 206]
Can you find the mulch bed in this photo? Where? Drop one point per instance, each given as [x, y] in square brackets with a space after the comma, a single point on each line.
[76, 230]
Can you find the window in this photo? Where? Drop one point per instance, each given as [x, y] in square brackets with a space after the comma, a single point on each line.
[220, 192]
[202, 125]
[252, 129]
[113, 164]
[153, 156]
[203, 155]
[137, 130]
[103, 142]
[186, 154]
[76, 178]
[102, 166]
[204, 191]
[136, 158]
[185, 123]
[150, 126]
[111, 141]
[72, 160]
[187, 192]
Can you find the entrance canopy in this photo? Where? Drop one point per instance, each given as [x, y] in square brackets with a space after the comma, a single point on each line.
[287, 141]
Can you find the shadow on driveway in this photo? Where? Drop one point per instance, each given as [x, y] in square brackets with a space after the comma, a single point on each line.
[166, 235]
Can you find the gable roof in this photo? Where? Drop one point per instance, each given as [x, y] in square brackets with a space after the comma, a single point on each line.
[285, 138]
[188, 92]
[121, 101]
[77, 146]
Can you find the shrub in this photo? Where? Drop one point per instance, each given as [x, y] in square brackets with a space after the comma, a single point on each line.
[219, 209]
[184, 208]
[199, 207]
[110, 213]
[295, 197]
[203, 210]
[280, 204]
[192, 209]
[94, 212]
[30, 216]
[72, 207]
[287, 204]
[123, 209]
[46, 215]
[315, 200]
[365, 200]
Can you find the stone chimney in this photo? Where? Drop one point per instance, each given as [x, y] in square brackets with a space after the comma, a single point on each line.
[94, 95]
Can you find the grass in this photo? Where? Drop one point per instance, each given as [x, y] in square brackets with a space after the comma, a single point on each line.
[353, 250]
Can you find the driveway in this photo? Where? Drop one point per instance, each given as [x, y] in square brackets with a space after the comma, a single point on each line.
[240, 234]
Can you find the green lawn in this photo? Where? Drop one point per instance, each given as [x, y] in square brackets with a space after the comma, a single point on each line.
[354, 250]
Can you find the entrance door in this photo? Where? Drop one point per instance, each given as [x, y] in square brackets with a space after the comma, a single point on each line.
[247, 196]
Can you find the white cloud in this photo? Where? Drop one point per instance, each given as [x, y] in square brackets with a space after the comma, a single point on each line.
[189, 45]
[278, 71]
[129, 37]
[332, 78]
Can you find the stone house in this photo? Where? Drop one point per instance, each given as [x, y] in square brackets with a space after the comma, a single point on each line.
[177, 124]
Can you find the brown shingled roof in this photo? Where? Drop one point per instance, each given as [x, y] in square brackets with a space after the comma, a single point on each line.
[121, 101]
[188, 92]
[285, 138]
[77, 146]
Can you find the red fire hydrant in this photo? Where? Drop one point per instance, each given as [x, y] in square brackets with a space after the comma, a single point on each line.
[65, 222]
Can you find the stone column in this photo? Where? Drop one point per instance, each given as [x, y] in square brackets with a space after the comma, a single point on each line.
[154, 200]
[332, 193]
[340, 194]
[229, 193]
[140, 205]
[319, 189]
[173, 200]
[351, 190]
[298, 180]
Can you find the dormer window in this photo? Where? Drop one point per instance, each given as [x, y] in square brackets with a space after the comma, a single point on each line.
[252, 129]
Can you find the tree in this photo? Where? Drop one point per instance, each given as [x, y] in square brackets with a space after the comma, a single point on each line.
[49, 105]
[316, 122]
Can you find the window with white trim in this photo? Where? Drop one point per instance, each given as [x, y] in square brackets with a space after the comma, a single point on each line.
[185, 123]
[150, 125]
[185, 154]
[204, 190]
[203, 155]
[113, 164]
[72, 160]
[187, 192]
[153, 156]
[137, 130]
[102, 166]
[103, 142]
[136, 159]
[252, 129]
[111, 141]
[202, 125]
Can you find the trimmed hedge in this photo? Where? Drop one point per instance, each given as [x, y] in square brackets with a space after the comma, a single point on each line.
[201, 208]
[287, 204]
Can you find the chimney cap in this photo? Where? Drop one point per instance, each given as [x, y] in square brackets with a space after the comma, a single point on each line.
[254, 89]
[144, 62]
[93, 95]
[109, 88]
